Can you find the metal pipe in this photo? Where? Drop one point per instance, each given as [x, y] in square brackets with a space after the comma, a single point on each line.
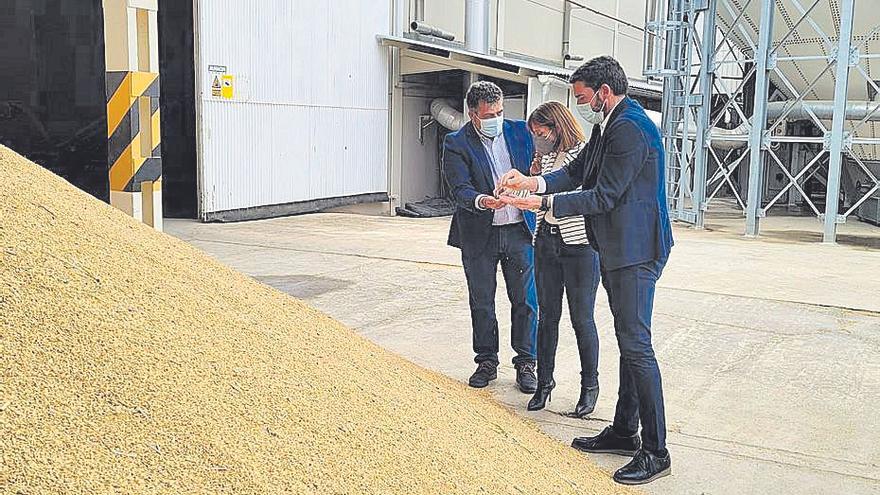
[446, 115]
[476, 26]
[399, 17]
[566, 30]
[428, 30]
[823, 109]
[419, 15]
[566, 34]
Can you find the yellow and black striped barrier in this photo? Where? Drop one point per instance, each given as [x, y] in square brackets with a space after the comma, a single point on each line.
[133, 131]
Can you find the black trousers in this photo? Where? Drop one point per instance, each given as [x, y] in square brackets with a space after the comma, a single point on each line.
[511, 246]
[640, 397]
[573, 269]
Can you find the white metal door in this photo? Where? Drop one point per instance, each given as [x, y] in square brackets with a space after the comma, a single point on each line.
[292, 101]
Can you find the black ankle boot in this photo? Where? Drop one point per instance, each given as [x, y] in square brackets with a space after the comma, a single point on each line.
[542, 395]
[587, 402]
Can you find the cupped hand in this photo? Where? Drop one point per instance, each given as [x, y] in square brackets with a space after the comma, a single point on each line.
[531, 202]
[491, 203]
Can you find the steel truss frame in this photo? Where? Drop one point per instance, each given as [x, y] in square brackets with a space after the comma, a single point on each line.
[686, 45]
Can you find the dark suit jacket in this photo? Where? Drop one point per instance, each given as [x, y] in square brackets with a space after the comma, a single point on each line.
[468, 173]
[624, 190]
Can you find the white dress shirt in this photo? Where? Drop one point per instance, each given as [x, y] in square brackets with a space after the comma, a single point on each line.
[499, 161]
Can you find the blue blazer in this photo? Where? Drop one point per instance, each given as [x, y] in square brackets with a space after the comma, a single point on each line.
[468, 173]
[624, 190]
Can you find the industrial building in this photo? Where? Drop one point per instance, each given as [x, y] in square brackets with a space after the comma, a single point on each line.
[230, 111]
[226, 267]
[263, 117]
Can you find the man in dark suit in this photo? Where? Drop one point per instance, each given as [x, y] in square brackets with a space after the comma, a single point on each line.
[489, 232]
[624, 200]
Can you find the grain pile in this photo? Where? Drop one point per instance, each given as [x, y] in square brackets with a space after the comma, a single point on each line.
[130, 362]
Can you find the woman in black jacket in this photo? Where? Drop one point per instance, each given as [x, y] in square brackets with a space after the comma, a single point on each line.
[564, 260]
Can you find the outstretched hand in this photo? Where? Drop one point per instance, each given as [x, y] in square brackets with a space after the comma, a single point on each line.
[514, 180]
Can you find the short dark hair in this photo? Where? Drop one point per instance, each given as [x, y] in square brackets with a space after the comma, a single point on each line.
[599, 71]
[485, 91]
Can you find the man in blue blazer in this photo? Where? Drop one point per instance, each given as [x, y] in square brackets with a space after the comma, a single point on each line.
[623, 197]
[489, 232]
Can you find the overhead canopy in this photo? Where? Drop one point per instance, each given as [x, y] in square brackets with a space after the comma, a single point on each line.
[434, 55]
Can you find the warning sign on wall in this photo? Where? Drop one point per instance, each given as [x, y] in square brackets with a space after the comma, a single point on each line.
[216, 88]
[228, 89]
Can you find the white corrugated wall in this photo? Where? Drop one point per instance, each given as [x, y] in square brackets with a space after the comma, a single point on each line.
[308, 117]
[534, 28]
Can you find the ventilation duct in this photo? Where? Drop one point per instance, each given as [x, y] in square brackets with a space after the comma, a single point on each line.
[476, 26]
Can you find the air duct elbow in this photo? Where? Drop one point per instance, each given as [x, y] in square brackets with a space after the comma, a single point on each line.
[446, 115]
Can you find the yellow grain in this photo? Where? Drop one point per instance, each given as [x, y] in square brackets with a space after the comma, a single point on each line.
[131, 362]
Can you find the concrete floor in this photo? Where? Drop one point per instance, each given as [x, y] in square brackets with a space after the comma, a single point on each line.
[769, 349]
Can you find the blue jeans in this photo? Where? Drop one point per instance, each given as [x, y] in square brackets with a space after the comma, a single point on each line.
[510, 245]
[574, 268]
[640, 397]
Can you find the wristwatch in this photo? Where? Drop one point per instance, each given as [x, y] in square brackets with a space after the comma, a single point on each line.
[545, 203]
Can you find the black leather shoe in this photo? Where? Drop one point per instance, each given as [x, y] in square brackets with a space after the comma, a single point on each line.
[542, 396]
[486, 372]
[645, 467]
[587, 402]
[525, 378]
[608, 442]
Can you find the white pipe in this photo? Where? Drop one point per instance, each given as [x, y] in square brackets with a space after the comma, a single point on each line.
[399, 17]
[476, 26]
[420, 11]
[566, 29]
[446, 115]
[823, 109]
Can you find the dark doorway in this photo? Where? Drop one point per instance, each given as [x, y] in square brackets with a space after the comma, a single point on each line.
[177, 87]
[52, 103]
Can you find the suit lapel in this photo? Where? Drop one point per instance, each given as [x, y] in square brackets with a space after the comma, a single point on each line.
[512, 146]
[592, 168]
[480, 152]
[593, 151]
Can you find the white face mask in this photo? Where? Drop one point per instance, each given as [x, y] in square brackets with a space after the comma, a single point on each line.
[491, 127]
[592, 116]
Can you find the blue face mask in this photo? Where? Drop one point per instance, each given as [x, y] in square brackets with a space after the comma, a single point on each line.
[491, 127]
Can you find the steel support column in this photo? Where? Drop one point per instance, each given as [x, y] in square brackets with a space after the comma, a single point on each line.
[707, 73]
[837, 137]
[759, 118]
